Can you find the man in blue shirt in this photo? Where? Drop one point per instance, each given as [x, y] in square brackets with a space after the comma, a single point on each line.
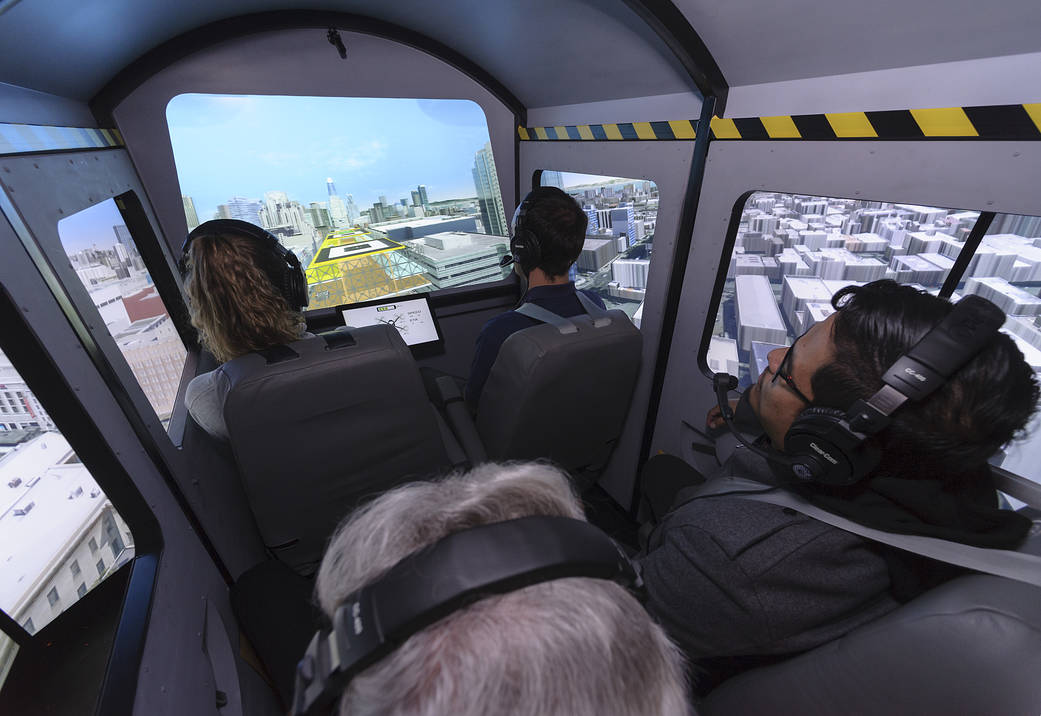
[549, 229]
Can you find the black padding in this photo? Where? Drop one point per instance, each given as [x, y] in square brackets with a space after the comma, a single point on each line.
[822, 442]
[561, 396]
[955, 340]
[275, 610]
[315, 436]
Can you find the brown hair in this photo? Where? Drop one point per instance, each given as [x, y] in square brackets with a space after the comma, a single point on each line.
[232, 302]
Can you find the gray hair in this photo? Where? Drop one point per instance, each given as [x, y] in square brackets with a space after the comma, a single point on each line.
[572, 646]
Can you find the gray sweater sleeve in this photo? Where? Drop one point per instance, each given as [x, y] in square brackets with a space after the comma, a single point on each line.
[203, 399]
[729, 577]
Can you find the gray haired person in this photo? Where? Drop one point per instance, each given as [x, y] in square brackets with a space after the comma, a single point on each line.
[569, 647]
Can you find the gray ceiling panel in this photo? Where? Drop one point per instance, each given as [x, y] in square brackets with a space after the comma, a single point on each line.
[759, 41]
[547, 52]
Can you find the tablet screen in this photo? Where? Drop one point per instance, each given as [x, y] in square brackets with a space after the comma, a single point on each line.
[411, 316]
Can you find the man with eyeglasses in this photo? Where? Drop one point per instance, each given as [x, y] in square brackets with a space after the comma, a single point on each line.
[739, 583]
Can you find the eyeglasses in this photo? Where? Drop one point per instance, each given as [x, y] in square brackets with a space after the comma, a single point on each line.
[784, 372]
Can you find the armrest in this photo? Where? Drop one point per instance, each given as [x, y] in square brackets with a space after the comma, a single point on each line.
[460, 420]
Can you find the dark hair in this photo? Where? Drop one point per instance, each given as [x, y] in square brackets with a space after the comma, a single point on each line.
[560, 225]
[955, 430]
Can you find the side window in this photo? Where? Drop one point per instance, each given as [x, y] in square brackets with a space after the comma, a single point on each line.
[53, 514]
[1006, 269]
[376, 197]
[106, 259]
[616, 257]
[793, 252]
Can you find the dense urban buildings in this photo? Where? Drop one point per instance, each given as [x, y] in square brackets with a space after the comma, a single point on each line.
[106, 260]
[792, 253]
[615, 259]
[59, 534]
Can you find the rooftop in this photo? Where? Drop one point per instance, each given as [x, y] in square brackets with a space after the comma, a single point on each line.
[416, 223]
[65, 498]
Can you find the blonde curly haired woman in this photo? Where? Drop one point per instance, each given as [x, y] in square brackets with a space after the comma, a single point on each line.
[245, 293]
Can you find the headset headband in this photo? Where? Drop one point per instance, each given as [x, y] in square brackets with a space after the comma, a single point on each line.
[442, 578]
[287, 276]
[831, 446]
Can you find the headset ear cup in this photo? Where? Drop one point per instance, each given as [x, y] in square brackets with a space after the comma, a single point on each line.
[526, 250]
[811, 442]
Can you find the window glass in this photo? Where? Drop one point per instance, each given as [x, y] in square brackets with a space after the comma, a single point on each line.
[376, 197]
[1006, 269]
[616, 258]
[793, 252]
[51, 513]
[105, 258]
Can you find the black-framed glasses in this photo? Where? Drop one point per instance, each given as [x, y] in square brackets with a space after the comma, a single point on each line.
[784, 372]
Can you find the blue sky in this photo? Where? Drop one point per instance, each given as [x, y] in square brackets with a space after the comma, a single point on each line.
[227, 146]
[90, 227]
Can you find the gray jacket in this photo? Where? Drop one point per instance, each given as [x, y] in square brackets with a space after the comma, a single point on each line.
[729, 577]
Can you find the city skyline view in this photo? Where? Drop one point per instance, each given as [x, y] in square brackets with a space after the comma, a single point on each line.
[245, 146]
[793, 252]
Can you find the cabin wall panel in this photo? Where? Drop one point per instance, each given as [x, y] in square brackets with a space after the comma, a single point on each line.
[990, 176]
[293, 62]
[968, 83]
[664, 107]
[19, 105]
[169, 680]
[48, 188]
[667, 164]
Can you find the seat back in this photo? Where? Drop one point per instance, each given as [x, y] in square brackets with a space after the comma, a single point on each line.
[562, 396]
[970, 646]
[320, 425]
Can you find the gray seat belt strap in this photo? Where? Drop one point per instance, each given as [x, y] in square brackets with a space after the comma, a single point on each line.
[1019, 566]
[1013, 485]
[599, 315]
[543, 316]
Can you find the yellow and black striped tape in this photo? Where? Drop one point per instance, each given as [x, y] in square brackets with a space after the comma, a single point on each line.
[1007, 121]
[25, 138]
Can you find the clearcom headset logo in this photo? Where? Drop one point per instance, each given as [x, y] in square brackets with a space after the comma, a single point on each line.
[823, 453]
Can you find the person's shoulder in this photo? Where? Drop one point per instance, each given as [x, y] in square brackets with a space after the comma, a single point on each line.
[593, 296]
[744, 529]
[504, 324]
[200, 385]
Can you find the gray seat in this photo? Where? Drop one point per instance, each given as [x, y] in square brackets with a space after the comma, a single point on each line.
[320, 425]
[562, 394]
[970, 646]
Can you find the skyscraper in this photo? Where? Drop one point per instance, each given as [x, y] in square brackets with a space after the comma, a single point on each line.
[493, 216]
[337, 209]
[352, 210]
[189, 212]
[239, 207]
[623, 222]
[423, 191]
[417, 199]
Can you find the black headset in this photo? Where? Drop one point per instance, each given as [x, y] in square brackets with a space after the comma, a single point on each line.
[525, 246]
[834, 447]
[283, 269]
[442, 578]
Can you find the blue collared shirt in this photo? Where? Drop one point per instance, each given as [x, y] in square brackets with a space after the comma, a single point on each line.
[558, 298]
